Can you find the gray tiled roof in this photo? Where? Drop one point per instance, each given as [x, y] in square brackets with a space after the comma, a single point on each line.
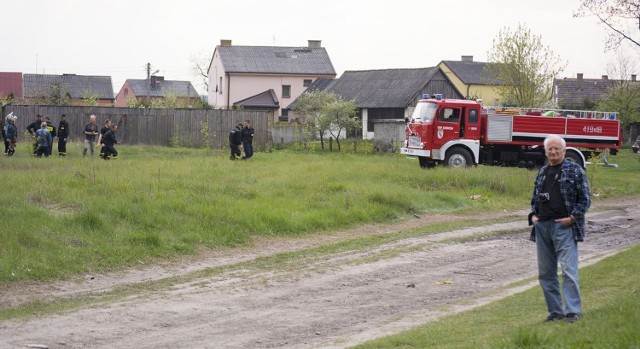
[388, 88]
[274, 59]
[320, 84]
[179, 88]
[266, 99]
[473, 73]
[78, 86]
[573, 92]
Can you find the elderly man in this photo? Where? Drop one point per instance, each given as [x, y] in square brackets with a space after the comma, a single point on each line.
[90, 133]
[560, 201]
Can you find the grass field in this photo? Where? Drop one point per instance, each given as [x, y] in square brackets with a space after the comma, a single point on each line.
[612, 319]
[66, 216]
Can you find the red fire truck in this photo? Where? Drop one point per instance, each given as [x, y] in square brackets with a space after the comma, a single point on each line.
[459, 133]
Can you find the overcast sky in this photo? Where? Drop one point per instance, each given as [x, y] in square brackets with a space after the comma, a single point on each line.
[118, 37]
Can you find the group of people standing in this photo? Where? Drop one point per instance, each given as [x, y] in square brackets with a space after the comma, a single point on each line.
[242, 134]
[44, 132]
[106, 138]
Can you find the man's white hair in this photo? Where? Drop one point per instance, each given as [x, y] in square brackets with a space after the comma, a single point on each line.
[554, 137]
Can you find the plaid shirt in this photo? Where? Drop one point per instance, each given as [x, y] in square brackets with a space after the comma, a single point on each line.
[575, 193]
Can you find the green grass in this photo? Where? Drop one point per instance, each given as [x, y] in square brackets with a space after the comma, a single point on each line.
[63, 217]
[611, 317]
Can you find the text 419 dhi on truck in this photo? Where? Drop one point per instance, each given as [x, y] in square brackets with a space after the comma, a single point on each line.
[460, 133]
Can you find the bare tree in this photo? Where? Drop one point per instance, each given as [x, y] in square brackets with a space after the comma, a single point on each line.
[200, 64]
[622, 66]
[620, 17]
[623, 95]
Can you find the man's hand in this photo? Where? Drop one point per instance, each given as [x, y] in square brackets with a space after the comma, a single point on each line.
[566, 221]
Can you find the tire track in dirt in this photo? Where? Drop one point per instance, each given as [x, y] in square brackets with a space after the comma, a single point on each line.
[339, 300]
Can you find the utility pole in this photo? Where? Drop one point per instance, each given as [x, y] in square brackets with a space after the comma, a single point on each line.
[149, 74]
[148, 84]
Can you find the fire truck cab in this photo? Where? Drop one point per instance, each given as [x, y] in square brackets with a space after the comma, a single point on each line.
[459, 133]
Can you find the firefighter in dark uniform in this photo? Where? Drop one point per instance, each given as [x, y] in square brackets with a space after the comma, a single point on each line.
[247, 140]
[103, 131]
[108, 142]
[63, 134]
[235, 140]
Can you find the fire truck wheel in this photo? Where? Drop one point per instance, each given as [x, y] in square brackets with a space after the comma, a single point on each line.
[458, 157]
[573, 156]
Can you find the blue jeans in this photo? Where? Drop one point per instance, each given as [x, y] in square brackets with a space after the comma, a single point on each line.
[555, 243]
[248, 150]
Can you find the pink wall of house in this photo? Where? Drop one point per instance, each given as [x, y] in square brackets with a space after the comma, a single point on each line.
[125, 92]
[225, 89]
[11, 83]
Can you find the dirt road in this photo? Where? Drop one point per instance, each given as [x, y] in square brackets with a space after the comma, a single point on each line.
[336, 301]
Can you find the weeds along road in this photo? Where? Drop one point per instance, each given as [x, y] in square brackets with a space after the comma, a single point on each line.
[329, 301]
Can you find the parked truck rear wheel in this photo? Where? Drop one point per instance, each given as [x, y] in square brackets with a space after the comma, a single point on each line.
[575, 157]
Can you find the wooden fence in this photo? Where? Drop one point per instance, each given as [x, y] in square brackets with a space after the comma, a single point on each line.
[185, 127]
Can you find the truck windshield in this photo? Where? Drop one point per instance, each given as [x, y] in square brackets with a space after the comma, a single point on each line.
[424, 112]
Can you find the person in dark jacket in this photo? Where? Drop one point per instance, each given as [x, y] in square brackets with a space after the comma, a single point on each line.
[247, 139]
[235, 139]
[63, 135]
[108, 141]
[90, 133]
[561, 198]
[103, 131]
[32, 129]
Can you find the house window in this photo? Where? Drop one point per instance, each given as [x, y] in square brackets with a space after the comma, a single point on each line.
[285, 112]
[306, 82]
[126, 92]
[286, 91]
[220, 86]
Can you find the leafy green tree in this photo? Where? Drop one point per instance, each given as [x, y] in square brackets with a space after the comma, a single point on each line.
[625, 99]
[326, 112]
[525, 67]
[620, 17]
[90, 97]
[58, 95]
[341, 116]
[313, 106]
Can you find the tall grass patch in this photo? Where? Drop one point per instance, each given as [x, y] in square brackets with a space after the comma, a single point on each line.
[72, 215]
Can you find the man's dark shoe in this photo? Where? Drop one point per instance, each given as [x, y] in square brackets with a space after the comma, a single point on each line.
[554, 317]
[571, 317]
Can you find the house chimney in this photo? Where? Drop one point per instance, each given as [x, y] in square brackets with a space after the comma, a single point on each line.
[224, 42]
[580, 75]
[466, 58]
[156, 81]
[605, 77]
[315, 43]
[633, 77]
